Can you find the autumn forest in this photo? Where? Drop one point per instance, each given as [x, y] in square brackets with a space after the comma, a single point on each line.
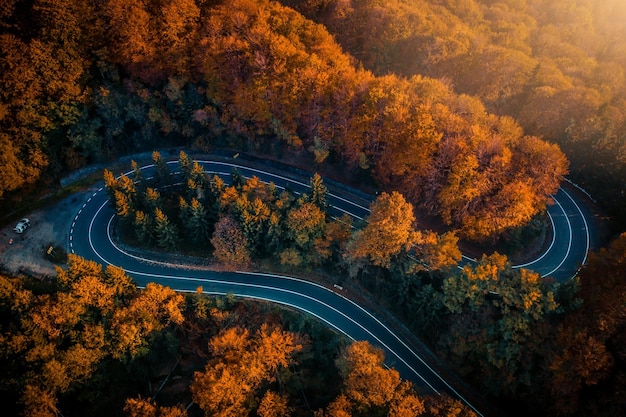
[467, 113]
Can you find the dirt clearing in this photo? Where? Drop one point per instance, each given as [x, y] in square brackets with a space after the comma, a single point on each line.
[49, 226]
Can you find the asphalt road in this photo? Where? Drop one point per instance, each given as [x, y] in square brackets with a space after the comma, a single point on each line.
[90, 237]
[570, 240]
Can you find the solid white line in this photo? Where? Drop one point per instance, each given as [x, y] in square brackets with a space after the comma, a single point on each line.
[285, 179]
[91, 228]
[288, 180]
[397, 338]
[272, 175]
[264, 287]
[304, 295]
[543, 255]
[296, 293]
[587, 243]
[415, 355]
[109, 222]
[553, 237]
[569, 242]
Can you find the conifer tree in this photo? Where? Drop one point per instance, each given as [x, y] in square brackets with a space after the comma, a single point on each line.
[184, 163]
[237, 179]
[110, 183]
[215, 189]
[165, 232]
[138, 176]
[161, 170]
[152, 199]
[194, 220]
[318, 192]
[144, 228]
[274, 237]
[123, 205]
[199, 222]
[197, 174]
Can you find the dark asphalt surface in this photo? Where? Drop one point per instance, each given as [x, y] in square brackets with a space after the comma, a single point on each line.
[90, 237]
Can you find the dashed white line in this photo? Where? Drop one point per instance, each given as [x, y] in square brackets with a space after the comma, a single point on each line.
[338, 198]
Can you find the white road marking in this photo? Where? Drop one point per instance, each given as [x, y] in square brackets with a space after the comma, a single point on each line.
[569, 242]
[296, 293]
[110, 239]
[587, 243]
[543, 255]
[91, 224]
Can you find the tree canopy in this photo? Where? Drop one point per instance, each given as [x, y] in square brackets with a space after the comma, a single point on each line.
[257, 74]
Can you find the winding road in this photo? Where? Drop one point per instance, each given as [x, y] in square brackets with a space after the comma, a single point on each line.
[90, 237]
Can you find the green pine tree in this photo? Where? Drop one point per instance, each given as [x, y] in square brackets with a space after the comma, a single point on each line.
[198, 223]
[165, 232]
[162, 172]
[143, 228]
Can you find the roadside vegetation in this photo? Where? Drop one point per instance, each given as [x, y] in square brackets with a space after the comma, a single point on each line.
[490, 323]
[468, 130]
[557, 67]
[88, 342]
[255, 75]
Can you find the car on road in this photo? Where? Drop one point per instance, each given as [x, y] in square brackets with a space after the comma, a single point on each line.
[22, 225]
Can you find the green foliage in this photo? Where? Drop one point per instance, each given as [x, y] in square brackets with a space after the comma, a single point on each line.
[586, 364]
[197, 224]
[304, 224]
[182, 79]
[494, 312]
[138, 177]
[144, 228]
[162, 172]
[165, 232]
[82, 83]
[184, 164]
[152, 200]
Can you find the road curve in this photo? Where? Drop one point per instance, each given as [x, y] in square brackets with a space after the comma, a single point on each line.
[90, 237]
[570, 241]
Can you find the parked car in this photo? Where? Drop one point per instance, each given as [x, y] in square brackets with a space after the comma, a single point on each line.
[22, 225]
